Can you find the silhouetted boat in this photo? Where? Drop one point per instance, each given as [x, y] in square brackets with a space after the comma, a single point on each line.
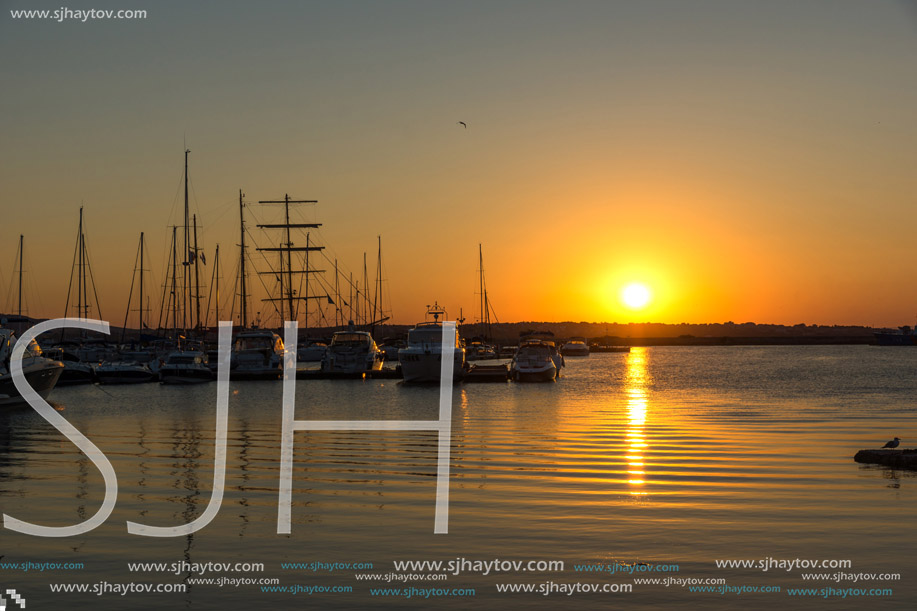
[185, 367]
[904, 336]
[575, 347]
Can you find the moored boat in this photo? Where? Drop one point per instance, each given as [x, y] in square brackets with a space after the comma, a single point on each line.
[185, 367]
[40, 372]
[257, 355]
[904, 336]
[75, 371]
[352, 352]
[311, 352]
[575, 347]
[126, 371]
[533, 362]
[421, 359]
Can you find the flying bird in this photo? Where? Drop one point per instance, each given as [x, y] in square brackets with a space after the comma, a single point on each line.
[463, 124]
[893, 443]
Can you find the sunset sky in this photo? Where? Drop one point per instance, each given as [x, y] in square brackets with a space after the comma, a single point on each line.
[745, 161]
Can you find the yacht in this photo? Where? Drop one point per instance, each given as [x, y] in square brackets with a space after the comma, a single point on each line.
[75, 370]
[421, 359]
[309, 352]
[546, 338]
[352, 352]
[185, 367]
[125, 371]
[478, 350]
[41, 373]
[575, 347]
[534, 362]
[257, 355]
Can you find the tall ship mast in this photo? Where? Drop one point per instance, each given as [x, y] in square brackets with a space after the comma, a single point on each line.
[289, 297]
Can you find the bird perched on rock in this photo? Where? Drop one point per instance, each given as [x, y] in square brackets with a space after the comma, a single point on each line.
[893, 443]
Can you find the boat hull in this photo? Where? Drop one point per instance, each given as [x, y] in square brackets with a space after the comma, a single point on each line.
[76, 373]
[184, 375]
[546, 374]
[124, 374]
[41, 378]
[896, 339]
[417, 367]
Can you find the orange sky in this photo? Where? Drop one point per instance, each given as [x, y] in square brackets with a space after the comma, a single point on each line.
[745, 162]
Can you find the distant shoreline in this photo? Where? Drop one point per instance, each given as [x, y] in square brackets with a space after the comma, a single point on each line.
[614, 334]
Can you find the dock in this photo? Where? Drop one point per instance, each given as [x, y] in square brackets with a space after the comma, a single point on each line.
[898, 459]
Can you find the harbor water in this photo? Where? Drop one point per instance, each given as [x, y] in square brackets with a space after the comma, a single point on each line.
[653, 464]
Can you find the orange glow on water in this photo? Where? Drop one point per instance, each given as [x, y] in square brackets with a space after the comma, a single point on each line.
[637, 404]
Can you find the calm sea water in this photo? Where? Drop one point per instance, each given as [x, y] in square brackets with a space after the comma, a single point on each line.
[664, 456]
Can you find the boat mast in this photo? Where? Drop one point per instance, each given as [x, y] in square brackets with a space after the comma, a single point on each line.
[377, 292]
[481, 280]
[216, 283]
[244, 297]
[306, 302]
[337, 295]
[197, 284]
[286, 248]
[141, 285]
[174, 281]
[186, 284]
[80, 280]
[20, 275]
[365, 302]
[352, 302]
[485, 304]
[130, 295]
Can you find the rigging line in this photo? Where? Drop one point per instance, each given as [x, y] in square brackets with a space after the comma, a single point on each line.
[130, 296]
[178, 189]
[95, 292]
[235, 293]
[146, 252]
[8, 305]
[165, 286]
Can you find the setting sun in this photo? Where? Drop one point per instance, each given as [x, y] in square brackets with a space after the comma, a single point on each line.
[635, 296]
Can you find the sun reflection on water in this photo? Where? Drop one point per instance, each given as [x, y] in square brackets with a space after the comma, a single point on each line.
[636, 380]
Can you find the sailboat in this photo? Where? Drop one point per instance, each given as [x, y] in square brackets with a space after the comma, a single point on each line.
[480, 347]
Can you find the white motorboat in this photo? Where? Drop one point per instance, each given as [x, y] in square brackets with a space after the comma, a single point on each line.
[257, 355]
[185, 367]
[421, 359]
[352, 352]
[41, 373]
[575, 347]
[534, 362]
[546, 338]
